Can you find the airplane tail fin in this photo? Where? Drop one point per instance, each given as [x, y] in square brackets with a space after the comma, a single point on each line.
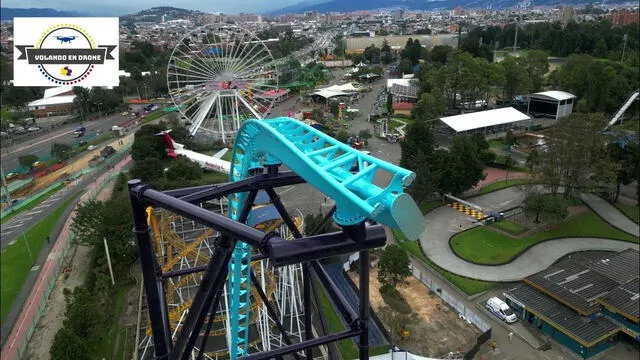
[171, 145]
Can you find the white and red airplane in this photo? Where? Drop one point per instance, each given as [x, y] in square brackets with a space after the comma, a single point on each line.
[207, 162]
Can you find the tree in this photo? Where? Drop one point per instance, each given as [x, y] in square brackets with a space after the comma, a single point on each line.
[429, 107]
[82, 100]
[393, 267]
[549, 206]
[536, 64]
[148, 169]
[27, 160]
[508, 163]
[439, 54]
[405, 67]
[424, 185]
[372, 54]
[626, 158]
[318, 115]
[87, 223]
[509, 139]
[61, 151]
[533, 160]
[67, 345]
[459, 168]
[147, 144]
[484, 154]
[534, 204]
[365, 135]
[313, 226]
[419, 138]
[575, 153]
[184, 169]
[342, 136]
[385, 53]
[516, 80]
[390, 103]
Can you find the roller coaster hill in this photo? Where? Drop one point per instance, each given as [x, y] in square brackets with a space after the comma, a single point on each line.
[256, 247]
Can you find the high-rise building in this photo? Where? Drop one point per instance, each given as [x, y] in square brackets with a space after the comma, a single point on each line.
[622, 18]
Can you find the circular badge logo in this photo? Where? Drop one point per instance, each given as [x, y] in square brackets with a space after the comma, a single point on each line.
[67, 70]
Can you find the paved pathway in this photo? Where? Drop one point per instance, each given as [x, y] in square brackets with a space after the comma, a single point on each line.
[444, 222]
[611, 214]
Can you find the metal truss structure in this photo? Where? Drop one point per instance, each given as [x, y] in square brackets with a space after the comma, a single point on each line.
[261, 148]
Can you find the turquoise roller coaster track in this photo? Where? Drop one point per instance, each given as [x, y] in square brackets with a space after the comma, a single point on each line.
[325, 163]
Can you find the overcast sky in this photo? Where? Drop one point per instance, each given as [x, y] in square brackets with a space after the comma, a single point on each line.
[121, 7]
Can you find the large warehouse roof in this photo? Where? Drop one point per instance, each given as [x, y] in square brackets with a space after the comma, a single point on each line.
[587, 332]
[553, 95]
[482, 119]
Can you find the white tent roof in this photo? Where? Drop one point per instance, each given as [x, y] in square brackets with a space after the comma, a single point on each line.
[554, 95]
[336, 90]
[481, 119]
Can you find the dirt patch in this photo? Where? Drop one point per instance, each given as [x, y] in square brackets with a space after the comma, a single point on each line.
[436, 331]
[74, 273]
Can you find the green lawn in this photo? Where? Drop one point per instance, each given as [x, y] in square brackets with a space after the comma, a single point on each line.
[486, 246]
[631, 211]
[427, 206]
[468, 286]
[502, 185]
[34, 203]
[510, 227]
[15, 263]
[347, 347]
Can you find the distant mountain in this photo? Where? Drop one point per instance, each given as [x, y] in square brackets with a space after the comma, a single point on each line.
[155, 14]
[355, 5]
[7, 14]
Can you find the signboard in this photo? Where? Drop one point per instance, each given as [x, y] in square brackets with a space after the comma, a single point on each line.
[66, 51]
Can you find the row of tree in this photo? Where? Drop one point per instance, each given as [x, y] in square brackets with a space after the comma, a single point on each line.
[90, 307]
[598, 39]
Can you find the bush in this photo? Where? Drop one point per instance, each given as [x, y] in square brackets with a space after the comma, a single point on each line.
[394, 299]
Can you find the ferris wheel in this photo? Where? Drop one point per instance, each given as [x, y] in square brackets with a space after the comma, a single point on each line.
[220, 75]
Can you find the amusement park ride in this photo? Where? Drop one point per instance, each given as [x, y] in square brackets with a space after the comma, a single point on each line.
[238, 281]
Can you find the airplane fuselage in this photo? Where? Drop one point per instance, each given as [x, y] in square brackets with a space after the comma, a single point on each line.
[206, 162]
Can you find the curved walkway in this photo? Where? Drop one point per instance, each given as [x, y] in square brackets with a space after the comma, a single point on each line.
[444, 222]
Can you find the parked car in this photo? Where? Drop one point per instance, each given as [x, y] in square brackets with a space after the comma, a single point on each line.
[500, 309]
[82, 143]
[33, 128]
[92, 147]
[124, 113]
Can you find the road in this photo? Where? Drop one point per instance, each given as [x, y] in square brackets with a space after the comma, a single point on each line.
[41, 146]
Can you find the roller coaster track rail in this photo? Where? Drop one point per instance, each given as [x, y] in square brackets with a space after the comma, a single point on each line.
[261, 148]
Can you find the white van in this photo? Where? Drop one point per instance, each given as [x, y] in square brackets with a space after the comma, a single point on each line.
[500, 309]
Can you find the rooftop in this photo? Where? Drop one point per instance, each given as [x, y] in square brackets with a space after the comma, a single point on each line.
[625, 300]
[583, 329]
[482, 119]
[621, 267]
[553, 95]
[402, 106]
[54, 100]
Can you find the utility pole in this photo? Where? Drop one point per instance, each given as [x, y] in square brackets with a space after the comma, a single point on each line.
[515, 40]
[106, 248]
[624, 47]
